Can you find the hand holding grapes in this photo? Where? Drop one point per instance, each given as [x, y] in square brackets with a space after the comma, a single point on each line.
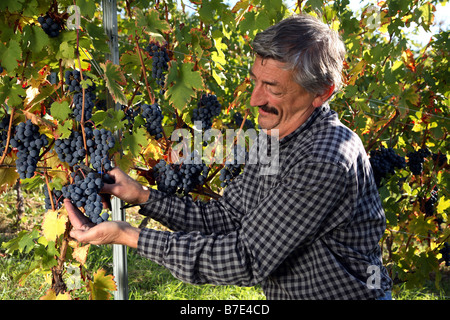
[125, 187]
[108, 232]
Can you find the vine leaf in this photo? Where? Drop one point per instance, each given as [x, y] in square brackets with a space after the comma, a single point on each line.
[101, 285]
[114, 80]
[8, 176]
[60, 110]
[54, 224]
[185, 81]
[80, 253]
[151, 21]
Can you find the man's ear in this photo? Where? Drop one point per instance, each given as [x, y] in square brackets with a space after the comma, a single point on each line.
[321, 98]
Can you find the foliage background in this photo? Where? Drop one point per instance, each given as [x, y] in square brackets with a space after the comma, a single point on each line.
[395, 95]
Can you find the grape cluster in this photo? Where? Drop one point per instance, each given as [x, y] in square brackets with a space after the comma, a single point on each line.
[71, 149]
[130, 114]
[384, 161]
[153, 119]
[58, 199]
[98, 142]
[4, 126]
[207, 108]
[182, 178]
[89, 98]
[238, 118]
[431, 202]
[160, 62]
[28, 142]
[84, 192]
[50, 26]
[445, 252]
[1, 69]
[233, 167]
[98, 147]
[416, 160]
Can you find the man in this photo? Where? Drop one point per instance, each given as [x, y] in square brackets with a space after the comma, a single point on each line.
[310, 231]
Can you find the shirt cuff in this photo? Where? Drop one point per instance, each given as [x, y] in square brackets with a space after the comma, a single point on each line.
[151, 244]
[157, 204]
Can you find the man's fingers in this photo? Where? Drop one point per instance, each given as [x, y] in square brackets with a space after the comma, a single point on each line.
[76, 217]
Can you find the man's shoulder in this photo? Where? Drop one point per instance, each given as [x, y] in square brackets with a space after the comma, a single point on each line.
[333, 141]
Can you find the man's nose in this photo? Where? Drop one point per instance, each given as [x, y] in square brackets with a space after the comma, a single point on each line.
[258, 97]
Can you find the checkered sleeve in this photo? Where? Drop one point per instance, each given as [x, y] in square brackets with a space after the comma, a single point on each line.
[286, 217]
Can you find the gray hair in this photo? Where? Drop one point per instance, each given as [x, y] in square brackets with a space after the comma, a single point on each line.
[314, 52]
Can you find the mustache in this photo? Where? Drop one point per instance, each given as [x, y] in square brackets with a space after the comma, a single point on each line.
[269, 109]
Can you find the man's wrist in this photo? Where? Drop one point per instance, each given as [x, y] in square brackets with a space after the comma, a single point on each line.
[129, 235]
[144, 195]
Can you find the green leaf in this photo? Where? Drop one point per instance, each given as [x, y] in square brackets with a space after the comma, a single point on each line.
[35, 38]
[10, 55]
[114, 80]
[60, 111]
[184, 83]
[11, 91]
[12, 5]
[135, 141]
[151, 22]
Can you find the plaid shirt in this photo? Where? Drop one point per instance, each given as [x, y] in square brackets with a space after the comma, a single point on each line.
[311, 231]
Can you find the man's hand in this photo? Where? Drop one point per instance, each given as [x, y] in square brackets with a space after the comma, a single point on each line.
[126, 188]
[109, 232]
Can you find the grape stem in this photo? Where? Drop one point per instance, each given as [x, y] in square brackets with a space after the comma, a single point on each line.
[8, 137]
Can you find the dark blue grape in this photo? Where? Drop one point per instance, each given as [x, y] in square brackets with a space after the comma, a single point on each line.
[430, 204]
[160, 62]
[153, 119]
[28, 142]
[384, 162]
[58, 198]
[51, 26]
[4, 126]
[233, 167]
[89, 98]
[182, 178]
[84, 192]
[416, 160]
[238, 118]
[207, 109]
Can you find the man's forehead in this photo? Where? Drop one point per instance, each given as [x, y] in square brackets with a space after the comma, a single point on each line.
[269, 69]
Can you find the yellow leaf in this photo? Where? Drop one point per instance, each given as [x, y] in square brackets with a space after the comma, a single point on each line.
[8, 175]
[101, 286]
[443, 204]
[51, 295]
[54, 224]
[80, 253]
